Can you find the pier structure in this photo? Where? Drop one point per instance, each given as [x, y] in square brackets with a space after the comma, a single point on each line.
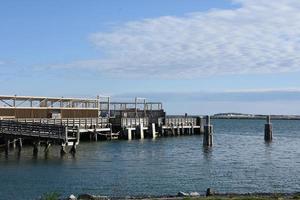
[65, 121]
[16, 131]
[176, 125]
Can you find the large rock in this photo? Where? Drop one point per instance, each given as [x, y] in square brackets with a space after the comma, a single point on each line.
[194, 194]
[85, 197]
[209, 192]
[91, 197]
[72, 197]
[182, 194]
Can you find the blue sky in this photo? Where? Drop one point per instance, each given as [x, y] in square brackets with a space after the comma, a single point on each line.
[197, 56]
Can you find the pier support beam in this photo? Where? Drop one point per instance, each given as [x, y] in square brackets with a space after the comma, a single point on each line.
[192, 129]
[268, 130]
[35, 148]
[73, 148]
[153, 130]
[14, 143]
[19, 145]
[172, 129]
[178, 129]
[201, 124]
[63, 150]
[47, 147]
[208, 131]
[96, 136]
[140, 130]
[7, 143]
[129, 133]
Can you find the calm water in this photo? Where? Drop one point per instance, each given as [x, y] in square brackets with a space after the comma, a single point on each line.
[240, 161]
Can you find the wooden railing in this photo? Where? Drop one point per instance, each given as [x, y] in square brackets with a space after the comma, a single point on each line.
[82, 123]
[33, 130]
[180, 120]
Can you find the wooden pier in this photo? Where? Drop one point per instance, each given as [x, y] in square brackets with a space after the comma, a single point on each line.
[66, 121]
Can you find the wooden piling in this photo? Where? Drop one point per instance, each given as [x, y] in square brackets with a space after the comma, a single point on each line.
[7, 143]
[201, 125]
[129, 133]
[14, 143]
[192, 129]
[47, 147]
[208, 131]
[73, 148]
[172, 129]
[96, 136]
[20, 144]
[63, 149]
[268, 129]
[153, 130]
[162, 131]
[140, 129]
[35, 148]
[182, 129]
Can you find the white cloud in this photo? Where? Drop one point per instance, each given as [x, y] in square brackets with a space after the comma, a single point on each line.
[261, 36]
[2, 62]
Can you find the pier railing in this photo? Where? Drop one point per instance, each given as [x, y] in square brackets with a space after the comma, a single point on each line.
[32, 129]
[82, 123]
[180, 120]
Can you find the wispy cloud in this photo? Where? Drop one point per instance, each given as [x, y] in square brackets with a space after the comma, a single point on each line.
[261, 36]
[255, 95]
[2, 62]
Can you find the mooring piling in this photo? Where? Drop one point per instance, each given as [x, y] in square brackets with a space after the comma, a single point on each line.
[268, 129]
[47, 147]
[73, 148]
[208, 131]
[200, 123]
[7, 143]
[35, 148]
[129, 133]
[153, 130]
[19, 144]
[63, 150]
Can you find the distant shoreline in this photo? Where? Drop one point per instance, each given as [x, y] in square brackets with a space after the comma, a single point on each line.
[257, 117]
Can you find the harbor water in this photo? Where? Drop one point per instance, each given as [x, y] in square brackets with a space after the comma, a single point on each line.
[239, 161]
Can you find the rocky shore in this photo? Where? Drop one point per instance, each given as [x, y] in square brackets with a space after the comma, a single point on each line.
[210, 195]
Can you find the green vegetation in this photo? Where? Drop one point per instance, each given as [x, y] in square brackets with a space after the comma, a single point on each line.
[50, 196]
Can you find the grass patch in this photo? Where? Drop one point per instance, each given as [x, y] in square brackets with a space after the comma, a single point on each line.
[50, 196]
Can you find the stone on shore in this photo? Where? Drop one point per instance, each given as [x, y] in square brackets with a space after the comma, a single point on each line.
[91, 197]
[209, 192]
[194, 194]
[182, 194]
[72, 197]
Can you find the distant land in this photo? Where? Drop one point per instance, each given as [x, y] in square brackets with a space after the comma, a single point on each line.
[252, 116]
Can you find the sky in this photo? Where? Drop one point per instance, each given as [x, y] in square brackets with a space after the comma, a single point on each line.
[196, 56]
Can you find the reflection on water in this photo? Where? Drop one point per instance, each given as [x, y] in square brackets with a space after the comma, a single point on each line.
[239, 161]
[207, 153]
